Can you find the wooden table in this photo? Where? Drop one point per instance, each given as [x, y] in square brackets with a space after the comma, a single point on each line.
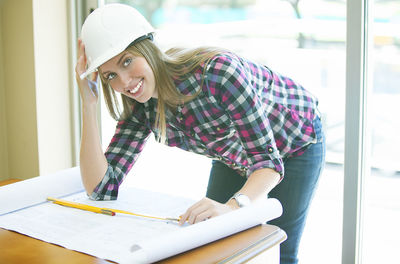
[259, 244]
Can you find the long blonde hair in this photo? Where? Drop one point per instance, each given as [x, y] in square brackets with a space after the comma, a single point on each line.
[174, 63]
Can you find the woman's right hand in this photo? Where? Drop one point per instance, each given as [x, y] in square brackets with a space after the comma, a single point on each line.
[88, 89]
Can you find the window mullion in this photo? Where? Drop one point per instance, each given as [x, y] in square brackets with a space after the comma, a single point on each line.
[355, 129]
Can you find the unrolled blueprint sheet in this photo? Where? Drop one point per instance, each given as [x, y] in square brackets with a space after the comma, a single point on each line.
[120, 238]
[108, 237]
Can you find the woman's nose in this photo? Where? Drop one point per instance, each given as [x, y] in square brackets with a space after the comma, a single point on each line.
[124, 80]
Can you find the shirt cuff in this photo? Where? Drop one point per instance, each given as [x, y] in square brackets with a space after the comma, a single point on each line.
[105, 190]
[276, 165]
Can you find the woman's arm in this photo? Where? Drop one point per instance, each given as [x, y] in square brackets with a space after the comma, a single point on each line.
[93, 164]
[258, 185]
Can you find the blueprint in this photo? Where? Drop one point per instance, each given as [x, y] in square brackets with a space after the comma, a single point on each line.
[120, 238]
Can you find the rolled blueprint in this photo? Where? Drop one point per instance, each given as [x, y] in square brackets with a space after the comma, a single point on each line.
[35, 191]
[199, 234]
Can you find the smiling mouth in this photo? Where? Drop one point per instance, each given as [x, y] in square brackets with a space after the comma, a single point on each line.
[136, 89]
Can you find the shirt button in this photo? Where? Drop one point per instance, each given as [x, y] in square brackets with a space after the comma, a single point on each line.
[270, 150]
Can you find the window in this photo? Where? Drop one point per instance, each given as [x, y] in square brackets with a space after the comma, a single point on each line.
[381, 235]
[305, 40]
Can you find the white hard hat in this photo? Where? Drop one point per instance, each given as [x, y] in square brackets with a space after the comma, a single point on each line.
[109, 30]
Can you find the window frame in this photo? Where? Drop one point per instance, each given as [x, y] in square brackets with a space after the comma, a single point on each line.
[356, 151]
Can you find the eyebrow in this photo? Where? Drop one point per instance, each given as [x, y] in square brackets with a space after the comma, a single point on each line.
[121, 58]
[118, 62]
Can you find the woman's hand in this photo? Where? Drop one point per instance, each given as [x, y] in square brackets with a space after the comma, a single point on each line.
[257, 186]
[87, 88]
[204, 209]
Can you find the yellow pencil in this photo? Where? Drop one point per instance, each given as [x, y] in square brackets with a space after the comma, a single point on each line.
[82, 206]
[106, 211]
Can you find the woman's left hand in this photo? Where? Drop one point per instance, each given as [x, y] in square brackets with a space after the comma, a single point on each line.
[204, 209]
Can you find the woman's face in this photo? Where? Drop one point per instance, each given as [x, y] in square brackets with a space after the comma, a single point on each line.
[130, 75]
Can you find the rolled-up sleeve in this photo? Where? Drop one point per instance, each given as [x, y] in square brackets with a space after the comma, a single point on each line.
[248, 112]
[124, 149]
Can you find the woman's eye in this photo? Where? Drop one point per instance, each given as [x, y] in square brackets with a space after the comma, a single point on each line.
[111, 76]
[127, 62]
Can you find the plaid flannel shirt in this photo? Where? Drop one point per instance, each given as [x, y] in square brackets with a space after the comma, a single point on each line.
[246, 116]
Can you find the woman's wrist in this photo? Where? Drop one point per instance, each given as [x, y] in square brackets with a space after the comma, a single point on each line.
[89, 108]
[232, 204]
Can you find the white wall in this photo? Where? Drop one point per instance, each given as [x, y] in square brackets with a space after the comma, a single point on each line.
[50, 31]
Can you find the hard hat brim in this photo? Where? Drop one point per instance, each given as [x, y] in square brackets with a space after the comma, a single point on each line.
[101, 60]
[111, 54]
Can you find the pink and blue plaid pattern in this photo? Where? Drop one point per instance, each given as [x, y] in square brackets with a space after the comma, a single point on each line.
[246, 116]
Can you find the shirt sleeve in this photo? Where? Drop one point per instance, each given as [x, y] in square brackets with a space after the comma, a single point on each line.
[248, 111]
[124, 149]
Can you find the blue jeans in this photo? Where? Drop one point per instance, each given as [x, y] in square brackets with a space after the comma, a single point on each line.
[295, 191]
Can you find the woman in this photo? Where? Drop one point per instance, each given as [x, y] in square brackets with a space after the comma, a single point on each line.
[261, 129]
